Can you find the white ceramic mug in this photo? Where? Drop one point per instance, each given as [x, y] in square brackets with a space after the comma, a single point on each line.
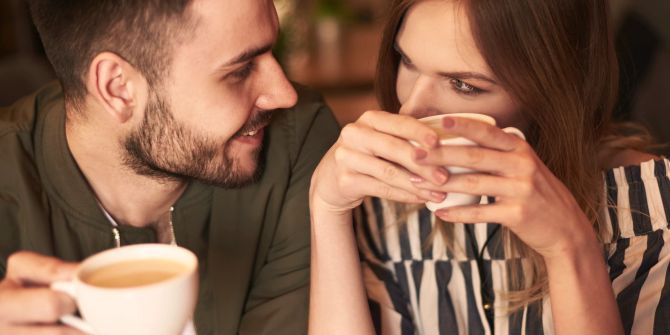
[435, 122]
[153, 290]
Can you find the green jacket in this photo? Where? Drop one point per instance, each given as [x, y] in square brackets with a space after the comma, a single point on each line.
[252, 243]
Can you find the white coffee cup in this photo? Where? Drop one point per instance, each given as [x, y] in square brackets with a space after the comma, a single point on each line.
[134, 290]
[435, 122]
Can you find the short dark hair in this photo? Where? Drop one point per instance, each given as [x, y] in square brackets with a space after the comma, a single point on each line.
[143, 32]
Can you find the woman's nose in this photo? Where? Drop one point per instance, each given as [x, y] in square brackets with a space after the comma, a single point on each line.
[423, 98]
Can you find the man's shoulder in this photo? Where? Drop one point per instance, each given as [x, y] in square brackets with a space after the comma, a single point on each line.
[310, 115]
[18, 126]
[22, 115]
[309, 105]
[19, 121]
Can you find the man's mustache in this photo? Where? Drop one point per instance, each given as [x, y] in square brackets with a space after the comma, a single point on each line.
[260, 120]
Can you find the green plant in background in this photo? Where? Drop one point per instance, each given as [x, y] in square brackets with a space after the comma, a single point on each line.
[286, 11]
[336, 9]
[298, 19]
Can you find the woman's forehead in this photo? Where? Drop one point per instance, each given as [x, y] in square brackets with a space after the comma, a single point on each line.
[436, 36]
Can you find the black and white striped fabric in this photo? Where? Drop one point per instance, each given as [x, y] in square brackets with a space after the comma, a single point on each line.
[415, 287]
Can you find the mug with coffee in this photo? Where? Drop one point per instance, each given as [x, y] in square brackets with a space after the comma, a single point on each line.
[138, 289]
[435, 122]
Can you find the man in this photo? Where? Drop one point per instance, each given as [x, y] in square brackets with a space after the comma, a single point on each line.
[160, 134]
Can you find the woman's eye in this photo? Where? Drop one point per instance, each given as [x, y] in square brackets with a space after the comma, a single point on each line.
[465, 88]
[406, 62]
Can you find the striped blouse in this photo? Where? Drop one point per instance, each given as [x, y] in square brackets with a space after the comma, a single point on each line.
[415, 287]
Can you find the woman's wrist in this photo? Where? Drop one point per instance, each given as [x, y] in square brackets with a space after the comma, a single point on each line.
[580, 240]
[576, 253]
[319, 207]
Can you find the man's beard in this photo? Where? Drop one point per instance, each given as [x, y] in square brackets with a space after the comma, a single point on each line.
[164, 149]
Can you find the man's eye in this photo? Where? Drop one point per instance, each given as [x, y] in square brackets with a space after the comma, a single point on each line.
[465, 88]
[244, 72]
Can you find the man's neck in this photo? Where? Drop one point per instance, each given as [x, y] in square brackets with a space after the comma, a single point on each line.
[131, 199]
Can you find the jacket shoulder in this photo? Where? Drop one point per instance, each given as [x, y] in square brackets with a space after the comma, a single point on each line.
[308, 117]
[21, 118]
[19, 128]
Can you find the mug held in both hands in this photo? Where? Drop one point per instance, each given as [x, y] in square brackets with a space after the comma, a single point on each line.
[435, 122]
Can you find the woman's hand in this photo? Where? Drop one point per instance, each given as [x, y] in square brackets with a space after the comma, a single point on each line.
[373, 157]
[530, 200]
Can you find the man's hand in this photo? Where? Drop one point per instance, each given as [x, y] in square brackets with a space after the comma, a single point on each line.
[27, 305]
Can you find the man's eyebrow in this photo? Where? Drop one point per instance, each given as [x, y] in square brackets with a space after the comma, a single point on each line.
[248, 55]
[460, 75]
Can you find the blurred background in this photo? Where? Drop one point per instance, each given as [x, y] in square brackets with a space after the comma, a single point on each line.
[331, 45]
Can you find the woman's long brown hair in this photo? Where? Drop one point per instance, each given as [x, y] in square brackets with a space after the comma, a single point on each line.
[556, 59]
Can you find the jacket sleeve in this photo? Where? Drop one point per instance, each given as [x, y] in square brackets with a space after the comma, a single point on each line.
[279, 296]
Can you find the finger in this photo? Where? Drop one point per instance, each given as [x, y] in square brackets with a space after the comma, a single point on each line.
[475, 214]
[482, 133]
[29, 268]
[402, 126]
[480, 184]
[39, 330]
[372, 187]
[392, 149]
[386, 172]
[34, 305]
[471, 157]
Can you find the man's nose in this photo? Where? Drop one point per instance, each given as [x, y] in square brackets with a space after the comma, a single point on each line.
[277, 91]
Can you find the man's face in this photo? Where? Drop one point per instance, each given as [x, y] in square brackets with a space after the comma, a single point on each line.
[206, 120]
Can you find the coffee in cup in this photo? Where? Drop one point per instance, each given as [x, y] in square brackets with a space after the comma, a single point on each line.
[134, 273]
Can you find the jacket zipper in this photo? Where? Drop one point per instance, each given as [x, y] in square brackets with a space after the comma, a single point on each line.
[117, 237]
[173, 238]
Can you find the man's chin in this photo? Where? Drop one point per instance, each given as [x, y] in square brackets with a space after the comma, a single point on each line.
[242, 173]
[236, 180]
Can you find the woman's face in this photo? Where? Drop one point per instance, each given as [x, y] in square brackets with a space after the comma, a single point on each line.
[441, 70]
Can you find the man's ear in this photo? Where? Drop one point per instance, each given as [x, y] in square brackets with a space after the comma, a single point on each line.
[115, 85]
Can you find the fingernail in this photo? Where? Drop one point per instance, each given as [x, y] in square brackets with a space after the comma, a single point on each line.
[441, 213]
[448, 122]
[416, 179]
[438, 196]
[444, 171]
[431, 141]
[440, 176]
[420, 154]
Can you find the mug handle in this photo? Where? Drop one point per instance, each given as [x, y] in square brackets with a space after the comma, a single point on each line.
[68, 287]
[514, 131]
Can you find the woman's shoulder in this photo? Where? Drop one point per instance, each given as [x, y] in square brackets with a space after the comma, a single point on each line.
[623, 158]
[637, 193]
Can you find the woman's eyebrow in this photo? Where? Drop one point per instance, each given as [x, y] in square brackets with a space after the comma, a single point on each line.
[460, 75]
[467, 75]
[399, 50]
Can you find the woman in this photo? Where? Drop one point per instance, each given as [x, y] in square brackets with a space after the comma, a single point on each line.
[579, 215]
